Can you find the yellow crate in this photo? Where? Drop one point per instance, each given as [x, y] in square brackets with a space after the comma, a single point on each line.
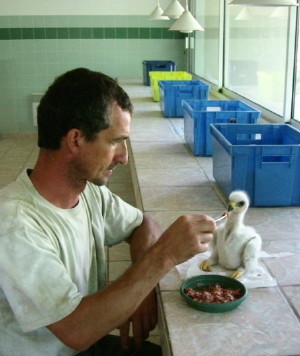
[155, 77]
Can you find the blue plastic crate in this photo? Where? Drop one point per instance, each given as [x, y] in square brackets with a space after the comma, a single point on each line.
[263, 160]
[172, 92]
[199, 114]
[149, 66]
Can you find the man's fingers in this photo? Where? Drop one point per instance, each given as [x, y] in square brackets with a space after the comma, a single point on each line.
[206, 237]
[124, 335]
[138, 332]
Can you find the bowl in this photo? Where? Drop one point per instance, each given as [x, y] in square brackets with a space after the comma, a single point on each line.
[209, 280]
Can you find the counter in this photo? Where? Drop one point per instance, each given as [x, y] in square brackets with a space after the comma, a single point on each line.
[170, 181]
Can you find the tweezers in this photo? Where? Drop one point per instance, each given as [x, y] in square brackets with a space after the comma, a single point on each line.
[220, 218]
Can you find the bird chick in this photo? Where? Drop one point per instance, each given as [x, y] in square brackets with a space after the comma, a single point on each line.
[235, 246]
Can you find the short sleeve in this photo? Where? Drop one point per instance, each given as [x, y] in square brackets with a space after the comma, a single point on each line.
[114, 215]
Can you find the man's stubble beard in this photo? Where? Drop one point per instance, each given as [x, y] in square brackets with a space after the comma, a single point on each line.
[79, 176]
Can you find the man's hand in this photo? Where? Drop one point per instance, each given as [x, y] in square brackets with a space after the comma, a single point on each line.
[143, 321]
[187, 236]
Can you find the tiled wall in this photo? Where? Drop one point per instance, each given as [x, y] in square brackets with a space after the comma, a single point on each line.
[35, 49]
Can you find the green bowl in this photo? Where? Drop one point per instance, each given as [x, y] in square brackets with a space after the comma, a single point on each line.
[212, 279]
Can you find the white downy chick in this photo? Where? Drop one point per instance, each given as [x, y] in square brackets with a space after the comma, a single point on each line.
[235, 246]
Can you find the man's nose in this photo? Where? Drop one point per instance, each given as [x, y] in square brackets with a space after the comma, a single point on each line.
[122, 156]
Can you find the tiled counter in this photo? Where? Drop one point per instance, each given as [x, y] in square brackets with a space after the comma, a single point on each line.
[170, 181]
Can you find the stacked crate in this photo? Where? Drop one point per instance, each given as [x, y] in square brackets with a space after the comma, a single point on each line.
[173, 92]
[263, 160]
[156, 76]
[200, 114]
[149, 66]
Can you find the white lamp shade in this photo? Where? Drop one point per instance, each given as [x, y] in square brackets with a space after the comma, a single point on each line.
[186, 23]
[264, 2]
[244, 15]
[174, 10]
[278, 13]
[157, 14]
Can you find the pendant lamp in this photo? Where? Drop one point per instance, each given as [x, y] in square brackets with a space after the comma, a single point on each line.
[244, 15]
[264, 2]
[157, 13]
[174, 10]
[278, 13]
[186, 22]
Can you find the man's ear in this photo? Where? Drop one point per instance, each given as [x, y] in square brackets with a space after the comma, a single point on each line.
[74, 139]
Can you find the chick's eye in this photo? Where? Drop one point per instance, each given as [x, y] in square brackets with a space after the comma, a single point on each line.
[240, 204]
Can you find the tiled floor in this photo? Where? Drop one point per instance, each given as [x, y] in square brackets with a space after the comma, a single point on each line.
[16, 153]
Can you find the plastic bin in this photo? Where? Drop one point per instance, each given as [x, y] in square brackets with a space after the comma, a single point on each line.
[172, 92]
[263, 160]
[156, 76]
[156, 66]
[198, 115]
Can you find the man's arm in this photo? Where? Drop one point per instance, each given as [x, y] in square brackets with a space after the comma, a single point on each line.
[143, 237]
[144, 318]
[103, 311]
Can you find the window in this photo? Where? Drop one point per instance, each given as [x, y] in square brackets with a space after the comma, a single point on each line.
[296, 113]
[248, 53]
[256, 54]
[207, 43]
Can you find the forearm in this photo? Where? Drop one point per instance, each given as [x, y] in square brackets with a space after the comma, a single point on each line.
[105, 310]
[143, 237]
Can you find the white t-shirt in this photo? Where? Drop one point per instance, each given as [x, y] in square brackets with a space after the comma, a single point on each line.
[50, 258]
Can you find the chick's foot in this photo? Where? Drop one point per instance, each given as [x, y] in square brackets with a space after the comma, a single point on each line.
[236, 274]
[204, 265]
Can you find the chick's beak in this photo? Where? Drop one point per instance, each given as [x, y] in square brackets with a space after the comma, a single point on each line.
[231, 206]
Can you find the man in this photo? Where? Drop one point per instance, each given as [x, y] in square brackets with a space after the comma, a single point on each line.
[57, 219]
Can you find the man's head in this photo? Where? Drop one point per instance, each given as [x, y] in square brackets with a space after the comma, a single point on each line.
[80, 99]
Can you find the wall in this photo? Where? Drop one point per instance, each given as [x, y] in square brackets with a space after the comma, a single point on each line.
[39, 42]
[80, 7]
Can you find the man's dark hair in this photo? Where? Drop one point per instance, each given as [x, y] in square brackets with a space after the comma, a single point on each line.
[80, 99]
